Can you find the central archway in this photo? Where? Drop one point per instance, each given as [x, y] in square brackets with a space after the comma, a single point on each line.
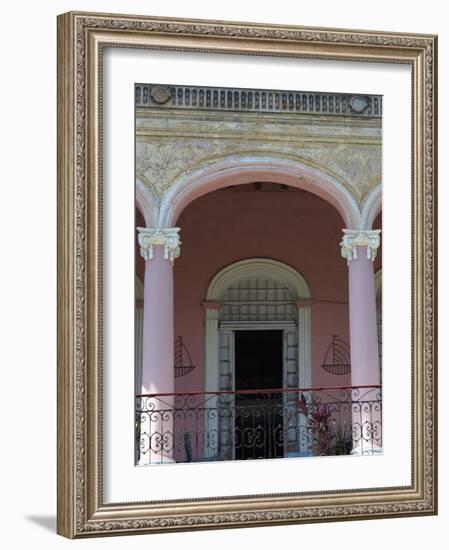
[245, 168]
[257, 294]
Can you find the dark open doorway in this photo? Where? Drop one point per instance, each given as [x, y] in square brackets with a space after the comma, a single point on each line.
[258, 416]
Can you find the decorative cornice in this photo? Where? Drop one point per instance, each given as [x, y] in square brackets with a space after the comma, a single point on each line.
[353, 238]
[168, 238]
[257, 100]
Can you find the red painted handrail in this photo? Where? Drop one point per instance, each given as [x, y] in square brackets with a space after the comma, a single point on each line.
[268, 390]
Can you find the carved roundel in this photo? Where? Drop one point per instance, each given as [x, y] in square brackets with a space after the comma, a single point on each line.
[160, 94]
[358, 103]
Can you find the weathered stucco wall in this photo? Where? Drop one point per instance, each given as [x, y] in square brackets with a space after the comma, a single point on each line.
[171, 142]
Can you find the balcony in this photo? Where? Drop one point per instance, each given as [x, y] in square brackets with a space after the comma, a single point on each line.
[258, 424]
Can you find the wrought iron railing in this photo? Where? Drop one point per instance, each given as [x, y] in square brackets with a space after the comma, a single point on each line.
[255, 424]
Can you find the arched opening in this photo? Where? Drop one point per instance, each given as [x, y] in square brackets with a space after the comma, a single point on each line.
[245, 168]
[257, 294]
[239, 244]
[259, 338]
[254, 270]
[239, 228]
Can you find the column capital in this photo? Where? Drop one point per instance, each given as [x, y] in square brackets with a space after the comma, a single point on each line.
[352, 238]
[168, 238]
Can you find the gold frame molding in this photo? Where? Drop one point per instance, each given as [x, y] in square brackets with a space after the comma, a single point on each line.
[81, 38]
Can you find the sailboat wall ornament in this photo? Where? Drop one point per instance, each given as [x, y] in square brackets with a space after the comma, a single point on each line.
[183, 361]
[337, 359]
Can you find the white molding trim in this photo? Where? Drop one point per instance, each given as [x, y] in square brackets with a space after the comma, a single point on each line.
[146, 203]
[279, 271]
[371, 208]
[212, 347]
[168, 238]
[304, 347]
[211, 338]
[353, 238]
[246, 168]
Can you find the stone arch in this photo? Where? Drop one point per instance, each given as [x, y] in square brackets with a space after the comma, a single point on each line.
[146, 203]
[258, 266]
[371, 208]
[246, 168]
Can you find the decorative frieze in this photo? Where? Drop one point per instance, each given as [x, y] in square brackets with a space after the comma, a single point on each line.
[353, 238]
[168, 238]
[258, 100]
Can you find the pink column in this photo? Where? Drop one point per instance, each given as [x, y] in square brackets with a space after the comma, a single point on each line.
[360, 248]
[158, 327]
[362, 321]
[158, 248]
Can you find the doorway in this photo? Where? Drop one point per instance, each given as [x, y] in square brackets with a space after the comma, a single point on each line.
[259, 423]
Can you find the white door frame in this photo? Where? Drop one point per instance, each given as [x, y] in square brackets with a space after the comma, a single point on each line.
[285, 327]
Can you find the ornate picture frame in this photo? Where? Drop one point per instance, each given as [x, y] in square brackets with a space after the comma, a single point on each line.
[82, 40]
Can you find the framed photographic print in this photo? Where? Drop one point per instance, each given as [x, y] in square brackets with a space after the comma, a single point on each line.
[247, 271]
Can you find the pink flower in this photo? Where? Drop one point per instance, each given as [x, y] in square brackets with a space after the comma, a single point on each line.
[321, 413]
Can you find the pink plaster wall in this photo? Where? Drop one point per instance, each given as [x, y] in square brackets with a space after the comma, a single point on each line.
[297, 228]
